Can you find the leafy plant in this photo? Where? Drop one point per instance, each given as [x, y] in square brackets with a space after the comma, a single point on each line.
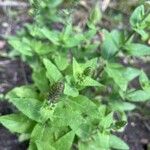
[78, 83]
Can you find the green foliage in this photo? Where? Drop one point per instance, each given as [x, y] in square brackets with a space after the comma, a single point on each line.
[72, 76]
[136, 49]
[116, 143]
[121, 76]
[95, 16]
[140, 21]
[111, 44]
[52, 72]
[17, 123]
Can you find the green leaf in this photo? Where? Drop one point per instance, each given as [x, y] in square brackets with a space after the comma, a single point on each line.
[65, 142]
[70, 91]
[103, 140]
[121, 76]
[131, 73]
[83, 104]
[89, 146]
[88, 81]
[75, 109]
[51, 35]
[137, 16]
[53, 73]
[23, 92]
[80, 78]
[76, 69]
[144, 34]
[107, 121]
[87, 110]
[73, 40]
[144, 81]
[102, 110]
[90, 34]
[41, 145]
[117, 143]
[146, 21]
[37, 132]
[17, 123]
[42, 48]
[29, 107]
[61, 62]
[67, 109]
[121, 106]
[92, 63]
[118, 37]
[34, 30]
[139, 96]
[117, 75]
[54, 3]
[95, 15]
[140, 20]
[32, 146]
[138, 50]
[109, 46]
[84, 131]
[98, 142]
[40, 79]
[21, 45]
[43, 133]
[67, 30]
[47, 112]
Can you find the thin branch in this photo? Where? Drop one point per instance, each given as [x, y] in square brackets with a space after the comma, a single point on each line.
[13, 4]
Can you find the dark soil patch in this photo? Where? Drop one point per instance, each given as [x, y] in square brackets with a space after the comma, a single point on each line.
[137, 133]
[9, 141]
[13, 73]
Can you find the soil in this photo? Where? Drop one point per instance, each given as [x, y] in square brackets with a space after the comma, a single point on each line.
[9, 141]
[137, 133]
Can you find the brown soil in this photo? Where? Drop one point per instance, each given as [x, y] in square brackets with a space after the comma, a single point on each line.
[137, 133]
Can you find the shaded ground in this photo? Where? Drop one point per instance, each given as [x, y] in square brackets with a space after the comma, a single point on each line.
[9, 141]
[137, 133]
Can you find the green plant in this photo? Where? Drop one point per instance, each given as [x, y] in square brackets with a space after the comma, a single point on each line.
[78, 82]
